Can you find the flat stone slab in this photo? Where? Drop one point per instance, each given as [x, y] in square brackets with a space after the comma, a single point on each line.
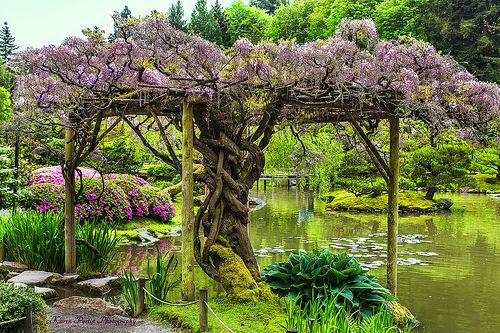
[46, 293]
[36, 278]
[11, 266]
[100, 286]
[94, 304]
[67, 279]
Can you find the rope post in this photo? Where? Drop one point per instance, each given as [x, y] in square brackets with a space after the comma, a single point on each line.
[311, 324]
[28, 322]
[203, 310]
[3, 249]
[141, 283]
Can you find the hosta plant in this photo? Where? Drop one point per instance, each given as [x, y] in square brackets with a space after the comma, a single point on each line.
[323, 274]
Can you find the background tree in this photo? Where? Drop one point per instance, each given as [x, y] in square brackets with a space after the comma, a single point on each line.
[5, 110]
[203, 23]
[292, 21]
[395, 18]
[217, 12]
[269, 6]
[125, 13]
[442, 168]
[7, 43]
[176, 16]
[469, 30]
[246, 21]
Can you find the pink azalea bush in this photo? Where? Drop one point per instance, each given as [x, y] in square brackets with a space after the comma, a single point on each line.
[120, 199]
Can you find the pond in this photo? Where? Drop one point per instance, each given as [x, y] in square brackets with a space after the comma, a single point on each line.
[449, 268]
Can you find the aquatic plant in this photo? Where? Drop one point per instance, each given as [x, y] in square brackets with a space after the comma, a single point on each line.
[329, 316]
[37, 240]
[156, 266]
[321, 275]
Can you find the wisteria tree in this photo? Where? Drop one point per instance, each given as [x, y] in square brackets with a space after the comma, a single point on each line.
[237, 97]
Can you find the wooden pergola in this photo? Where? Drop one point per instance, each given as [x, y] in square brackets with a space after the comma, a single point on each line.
[296, 107]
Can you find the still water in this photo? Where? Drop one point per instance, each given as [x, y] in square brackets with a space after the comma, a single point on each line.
[449, 268]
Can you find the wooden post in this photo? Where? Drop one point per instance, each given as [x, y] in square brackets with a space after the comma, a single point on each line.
[141, 283]
[187, 285]
[265, 184]
[393, 205]
[69, 203]
[291, 330]
[311, 324]
[203, 310]
[3, 249]
[28, 322]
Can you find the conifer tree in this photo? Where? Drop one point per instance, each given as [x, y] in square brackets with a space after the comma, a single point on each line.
[7, 43]
[176, 16]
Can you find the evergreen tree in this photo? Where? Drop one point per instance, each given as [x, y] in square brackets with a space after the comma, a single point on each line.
[269, 5]
[7, 43]
[125, 13]
[203, 23]
[217, 13]
[176, 16]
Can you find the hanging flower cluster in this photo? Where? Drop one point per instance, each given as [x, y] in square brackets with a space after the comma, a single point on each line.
[120, 198]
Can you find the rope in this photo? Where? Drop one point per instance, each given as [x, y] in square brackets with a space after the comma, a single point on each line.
[12, 321]
[208, 306]
[168, 303]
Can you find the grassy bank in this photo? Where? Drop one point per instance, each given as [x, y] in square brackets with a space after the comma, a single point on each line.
[256, 317]
[408, 202]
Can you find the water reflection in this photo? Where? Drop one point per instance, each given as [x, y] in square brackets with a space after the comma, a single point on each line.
[449, 275]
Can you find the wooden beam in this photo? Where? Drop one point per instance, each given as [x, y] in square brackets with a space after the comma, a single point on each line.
[69, 202]
[393, 203]
[187, 286]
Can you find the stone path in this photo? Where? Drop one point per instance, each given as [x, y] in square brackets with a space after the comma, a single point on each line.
[64, 320]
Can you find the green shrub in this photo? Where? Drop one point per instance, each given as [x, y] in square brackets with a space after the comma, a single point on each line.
[37, 240]
[12, 302]
[162, 171]
[322, 275]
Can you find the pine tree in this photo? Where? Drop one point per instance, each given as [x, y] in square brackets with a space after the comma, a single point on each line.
[7, 43]
[176, 16]
[217, 13]
[203, 22]
[125, 13]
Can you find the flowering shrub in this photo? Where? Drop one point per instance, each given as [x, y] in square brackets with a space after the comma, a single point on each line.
[144, 199]
[119, 199]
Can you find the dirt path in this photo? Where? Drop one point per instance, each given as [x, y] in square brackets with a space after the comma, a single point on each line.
[87, 321]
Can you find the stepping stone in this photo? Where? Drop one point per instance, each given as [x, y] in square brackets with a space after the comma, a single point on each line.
[94, 304]
[67, 279]
[36, 278]
[11, 266]
[46, 293]
[99, 286]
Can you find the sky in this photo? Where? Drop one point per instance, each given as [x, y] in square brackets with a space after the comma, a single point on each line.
[36, 23]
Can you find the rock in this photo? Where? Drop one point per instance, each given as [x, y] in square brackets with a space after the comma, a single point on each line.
[11, 266]
[445, 203]
[100, 286]
[68, 279]
[11, 275]
[94, 304]
[146, 237]
[46, 293]
[36, 278]
[402, 316]
[20, 285]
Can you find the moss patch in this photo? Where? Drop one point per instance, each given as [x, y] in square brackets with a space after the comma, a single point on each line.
[408, 202]
[487, 183]
[257, 317]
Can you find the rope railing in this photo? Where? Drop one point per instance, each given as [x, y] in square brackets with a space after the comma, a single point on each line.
[217, 317]
[12, 321]
[168, 303]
